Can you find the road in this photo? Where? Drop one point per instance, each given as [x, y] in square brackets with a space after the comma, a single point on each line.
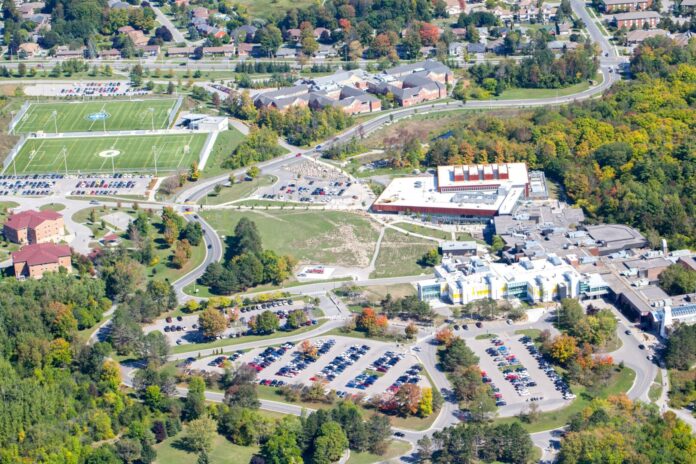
[177, 36]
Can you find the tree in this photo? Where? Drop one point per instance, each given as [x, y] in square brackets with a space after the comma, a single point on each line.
[411, 330]
[379, 431]
[329, 444]
[212, 322]
[497, 244]
[308, 349]
[253, 172]
[408, 398]
[681, 347]
[194, 404]
[425, 406]
[296, 319]
[266, 323]
[444, 336]
[430, 259]
[129, 450]
[154, 348]
[270, 39]
[281, 448]
[193, 232]
[200, 434]
[677, 280]
[563, 348]
[194, 173]
[457, 354]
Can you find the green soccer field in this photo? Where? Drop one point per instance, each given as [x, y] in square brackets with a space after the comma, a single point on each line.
[96, 154]
[96, 116]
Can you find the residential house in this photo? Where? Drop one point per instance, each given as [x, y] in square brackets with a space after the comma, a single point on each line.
[180, 52]
[248, 49]
[150, 50]
[34, 227]
[456, 49]
[244, 33]
[29, 49]
[293, 35]
[319, 31]
[224, 50]
[125, 29]
[455, 7]
[459, 32]
[326, 51]
[138, 38]
[200, 12]
[476, 48]
[35, 260]
[495, 46]
[682, 39]
[636, 19]
[181, 3]
[64, 52]
[111, 54]
[286, 52]
[28, 9]
[687, 7]
[563, 29]
[615, 6]
[637, 36]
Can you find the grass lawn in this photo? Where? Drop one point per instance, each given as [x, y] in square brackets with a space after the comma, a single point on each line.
[52, 207]
[265, 8]
[531, 333]
[396, 448]
[656, 388]
[96, 154]
[274, 203]
[485, 336]
[225, 342]
[318, 237]
[237, 191]
[519, 94]
[6, 247]
[170, 451]
[225, 144]
[204, 292]
[97, 116]
[422, 230]
[398, 255]
[620, 382]
[378, 292]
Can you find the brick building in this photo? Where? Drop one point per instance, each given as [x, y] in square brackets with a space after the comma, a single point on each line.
[637, 19]
[34, 227]
[614, 6]
[34, 260]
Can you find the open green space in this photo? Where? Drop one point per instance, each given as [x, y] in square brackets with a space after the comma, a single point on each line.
[620, 382]
[52, 207]
[656, 388]
[423, 230]
[399, 255]
[225, 342]
[317, 237]
[170, 152]
[224, 145]
[273, 204]
[6, 247]
[171, 451]
[396, 448]
[237, 191]
[266, 8]
[523, 94]
[96, 116]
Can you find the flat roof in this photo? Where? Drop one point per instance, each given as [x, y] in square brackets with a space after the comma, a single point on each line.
[422, 192]
[516, 175]
[466, 245]
[615, 233]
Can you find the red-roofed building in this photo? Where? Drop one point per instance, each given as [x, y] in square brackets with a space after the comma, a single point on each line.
[34, 260]
[34, 227]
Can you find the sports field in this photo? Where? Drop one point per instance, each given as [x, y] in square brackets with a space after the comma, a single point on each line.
[95, 154]
[96, 116]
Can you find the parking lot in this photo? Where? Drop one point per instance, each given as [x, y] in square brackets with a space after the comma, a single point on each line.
[348, 365]
[305, 181]
[182, 330]
[85, 89]
[509, 362]
[83, 185]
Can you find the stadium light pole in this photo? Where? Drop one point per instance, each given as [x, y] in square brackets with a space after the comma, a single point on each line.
[152, 116]
[154, 155]
[65, 159]
[54, 115]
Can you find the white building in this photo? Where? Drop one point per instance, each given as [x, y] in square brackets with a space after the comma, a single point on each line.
[541, 280]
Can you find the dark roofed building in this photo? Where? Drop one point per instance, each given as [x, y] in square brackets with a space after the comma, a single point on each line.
[35, 260]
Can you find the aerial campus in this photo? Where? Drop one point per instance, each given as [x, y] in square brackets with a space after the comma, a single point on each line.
[358, 232]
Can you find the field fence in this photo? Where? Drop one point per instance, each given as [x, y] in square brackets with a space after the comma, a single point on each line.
[207, 148]
[13, 153]
[18, 117]
[175, 110]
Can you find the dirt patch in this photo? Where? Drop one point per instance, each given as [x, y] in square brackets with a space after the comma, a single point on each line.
[346, 246]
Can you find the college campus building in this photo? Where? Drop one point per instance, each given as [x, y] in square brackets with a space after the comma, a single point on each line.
[35, 260]
[34, 227]
[478, 190]
[354, 91]
[540, 280]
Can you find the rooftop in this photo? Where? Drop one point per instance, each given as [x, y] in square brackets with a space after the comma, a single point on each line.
[495, 175]
[40, 253]
[30, 219]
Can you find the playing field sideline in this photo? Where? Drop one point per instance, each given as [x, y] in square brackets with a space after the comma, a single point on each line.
[96, 116]
[96, 154]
